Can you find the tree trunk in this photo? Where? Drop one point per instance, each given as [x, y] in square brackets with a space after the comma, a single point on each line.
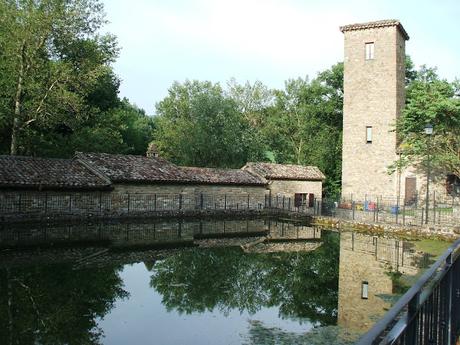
[17, 107]
[16, 118]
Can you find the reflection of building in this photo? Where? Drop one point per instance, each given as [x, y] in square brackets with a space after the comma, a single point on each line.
[366, 260]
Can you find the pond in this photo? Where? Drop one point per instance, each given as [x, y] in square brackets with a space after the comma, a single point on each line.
[250, 281]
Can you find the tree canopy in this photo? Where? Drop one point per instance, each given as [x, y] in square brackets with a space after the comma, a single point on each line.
[58, 91]
[431, 100]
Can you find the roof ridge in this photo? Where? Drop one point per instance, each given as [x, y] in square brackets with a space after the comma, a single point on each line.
[376, 24]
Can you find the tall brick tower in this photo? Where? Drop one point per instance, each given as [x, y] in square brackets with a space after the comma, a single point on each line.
[374, 70]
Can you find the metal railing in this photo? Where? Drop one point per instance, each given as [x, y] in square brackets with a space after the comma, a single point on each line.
[429, 312]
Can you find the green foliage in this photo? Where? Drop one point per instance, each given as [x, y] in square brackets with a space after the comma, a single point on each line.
[197, 125]
[201, 124]
[431, 100]
[305, 124]
[58, 91]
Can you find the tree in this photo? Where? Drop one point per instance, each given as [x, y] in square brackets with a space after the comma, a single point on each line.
[51, 57]
[431, 100]
[198, 125]
[305, 124]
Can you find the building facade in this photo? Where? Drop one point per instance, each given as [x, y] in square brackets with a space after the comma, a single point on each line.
[374, 96]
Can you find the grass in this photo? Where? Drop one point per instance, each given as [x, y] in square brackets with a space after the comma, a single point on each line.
[433, 247]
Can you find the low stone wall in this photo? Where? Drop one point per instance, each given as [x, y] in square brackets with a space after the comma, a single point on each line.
[449, 233]
[23, 206]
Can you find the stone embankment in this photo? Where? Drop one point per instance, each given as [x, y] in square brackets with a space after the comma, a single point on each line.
[449, 233]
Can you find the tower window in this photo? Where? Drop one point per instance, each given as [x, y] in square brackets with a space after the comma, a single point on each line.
[369, 134]
[369, 50]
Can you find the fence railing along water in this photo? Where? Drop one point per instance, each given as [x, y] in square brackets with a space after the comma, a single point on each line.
[378, 210]
[440, 211]
[429, 312]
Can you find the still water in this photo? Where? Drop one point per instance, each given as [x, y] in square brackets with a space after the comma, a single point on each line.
[202, 282]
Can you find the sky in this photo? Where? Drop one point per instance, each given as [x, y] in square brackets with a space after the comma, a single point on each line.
[163, 41]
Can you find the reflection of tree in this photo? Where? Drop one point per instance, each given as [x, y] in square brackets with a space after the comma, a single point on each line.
[55, 304]
[260, 334]
[303, 285]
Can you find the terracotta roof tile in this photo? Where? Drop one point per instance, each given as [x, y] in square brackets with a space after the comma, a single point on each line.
[376, 24]
[223, 176]
[130, 168]
[46, 173]
[285, 171]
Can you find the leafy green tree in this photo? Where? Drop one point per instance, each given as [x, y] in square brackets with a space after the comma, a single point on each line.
[305, 124]
[431, 100]
[51, 57]
[198, 125]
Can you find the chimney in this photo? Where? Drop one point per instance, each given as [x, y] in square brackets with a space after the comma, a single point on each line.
[152, 151]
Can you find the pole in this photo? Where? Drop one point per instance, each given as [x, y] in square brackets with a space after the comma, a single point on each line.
[428, 173]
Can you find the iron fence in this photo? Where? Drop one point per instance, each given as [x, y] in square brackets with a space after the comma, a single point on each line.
[440, 211]
[429, 312]
[100, 203]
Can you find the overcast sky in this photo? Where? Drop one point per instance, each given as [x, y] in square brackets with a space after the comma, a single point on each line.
[268, 40]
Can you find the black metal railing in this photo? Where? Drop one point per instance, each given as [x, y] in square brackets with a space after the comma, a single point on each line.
[429, 312]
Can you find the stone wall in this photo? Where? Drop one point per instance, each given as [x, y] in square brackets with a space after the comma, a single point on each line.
[373, 96]
[288, 188]
[128, 199]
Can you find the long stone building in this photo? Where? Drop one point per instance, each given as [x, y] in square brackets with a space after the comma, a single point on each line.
[101, 183]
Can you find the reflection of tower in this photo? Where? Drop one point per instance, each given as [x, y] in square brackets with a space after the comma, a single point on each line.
[366, 259]
[374, 95]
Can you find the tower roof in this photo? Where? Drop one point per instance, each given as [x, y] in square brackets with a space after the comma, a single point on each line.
[376, 24]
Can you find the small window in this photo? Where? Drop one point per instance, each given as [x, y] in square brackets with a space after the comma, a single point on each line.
[365, 290]
[300, 199]
[370, 51]
[369, 134]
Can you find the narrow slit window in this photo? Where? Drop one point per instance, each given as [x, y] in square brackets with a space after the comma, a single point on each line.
[370, 51]
[365, 290]
[369, 134]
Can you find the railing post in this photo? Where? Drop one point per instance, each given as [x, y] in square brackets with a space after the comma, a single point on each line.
[201, 201]
[353, 210]
[129, 202]
[283, 202]
[180, 201]
[154, 202]
[289, 203]
[225, 201]
[248, 201]
[404, 213]
[411, 330]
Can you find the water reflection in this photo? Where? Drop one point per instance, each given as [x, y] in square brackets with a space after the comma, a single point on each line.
[254, 281]
[55, 304]
[302, 285]
[372, 263]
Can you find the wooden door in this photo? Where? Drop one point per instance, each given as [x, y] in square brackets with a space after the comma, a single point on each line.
[410, 191]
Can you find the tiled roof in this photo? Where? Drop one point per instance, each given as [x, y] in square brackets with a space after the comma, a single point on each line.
[223, 176]
[376, 24]
[130, 168]
[48, 173]
[285, 171]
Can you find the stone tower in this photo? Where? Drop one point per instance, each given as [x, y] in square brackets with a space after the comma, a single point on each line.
[374, 72]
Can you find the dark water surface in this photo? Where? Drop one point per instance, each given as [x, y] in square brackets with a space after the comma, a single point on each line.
[216, 283]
